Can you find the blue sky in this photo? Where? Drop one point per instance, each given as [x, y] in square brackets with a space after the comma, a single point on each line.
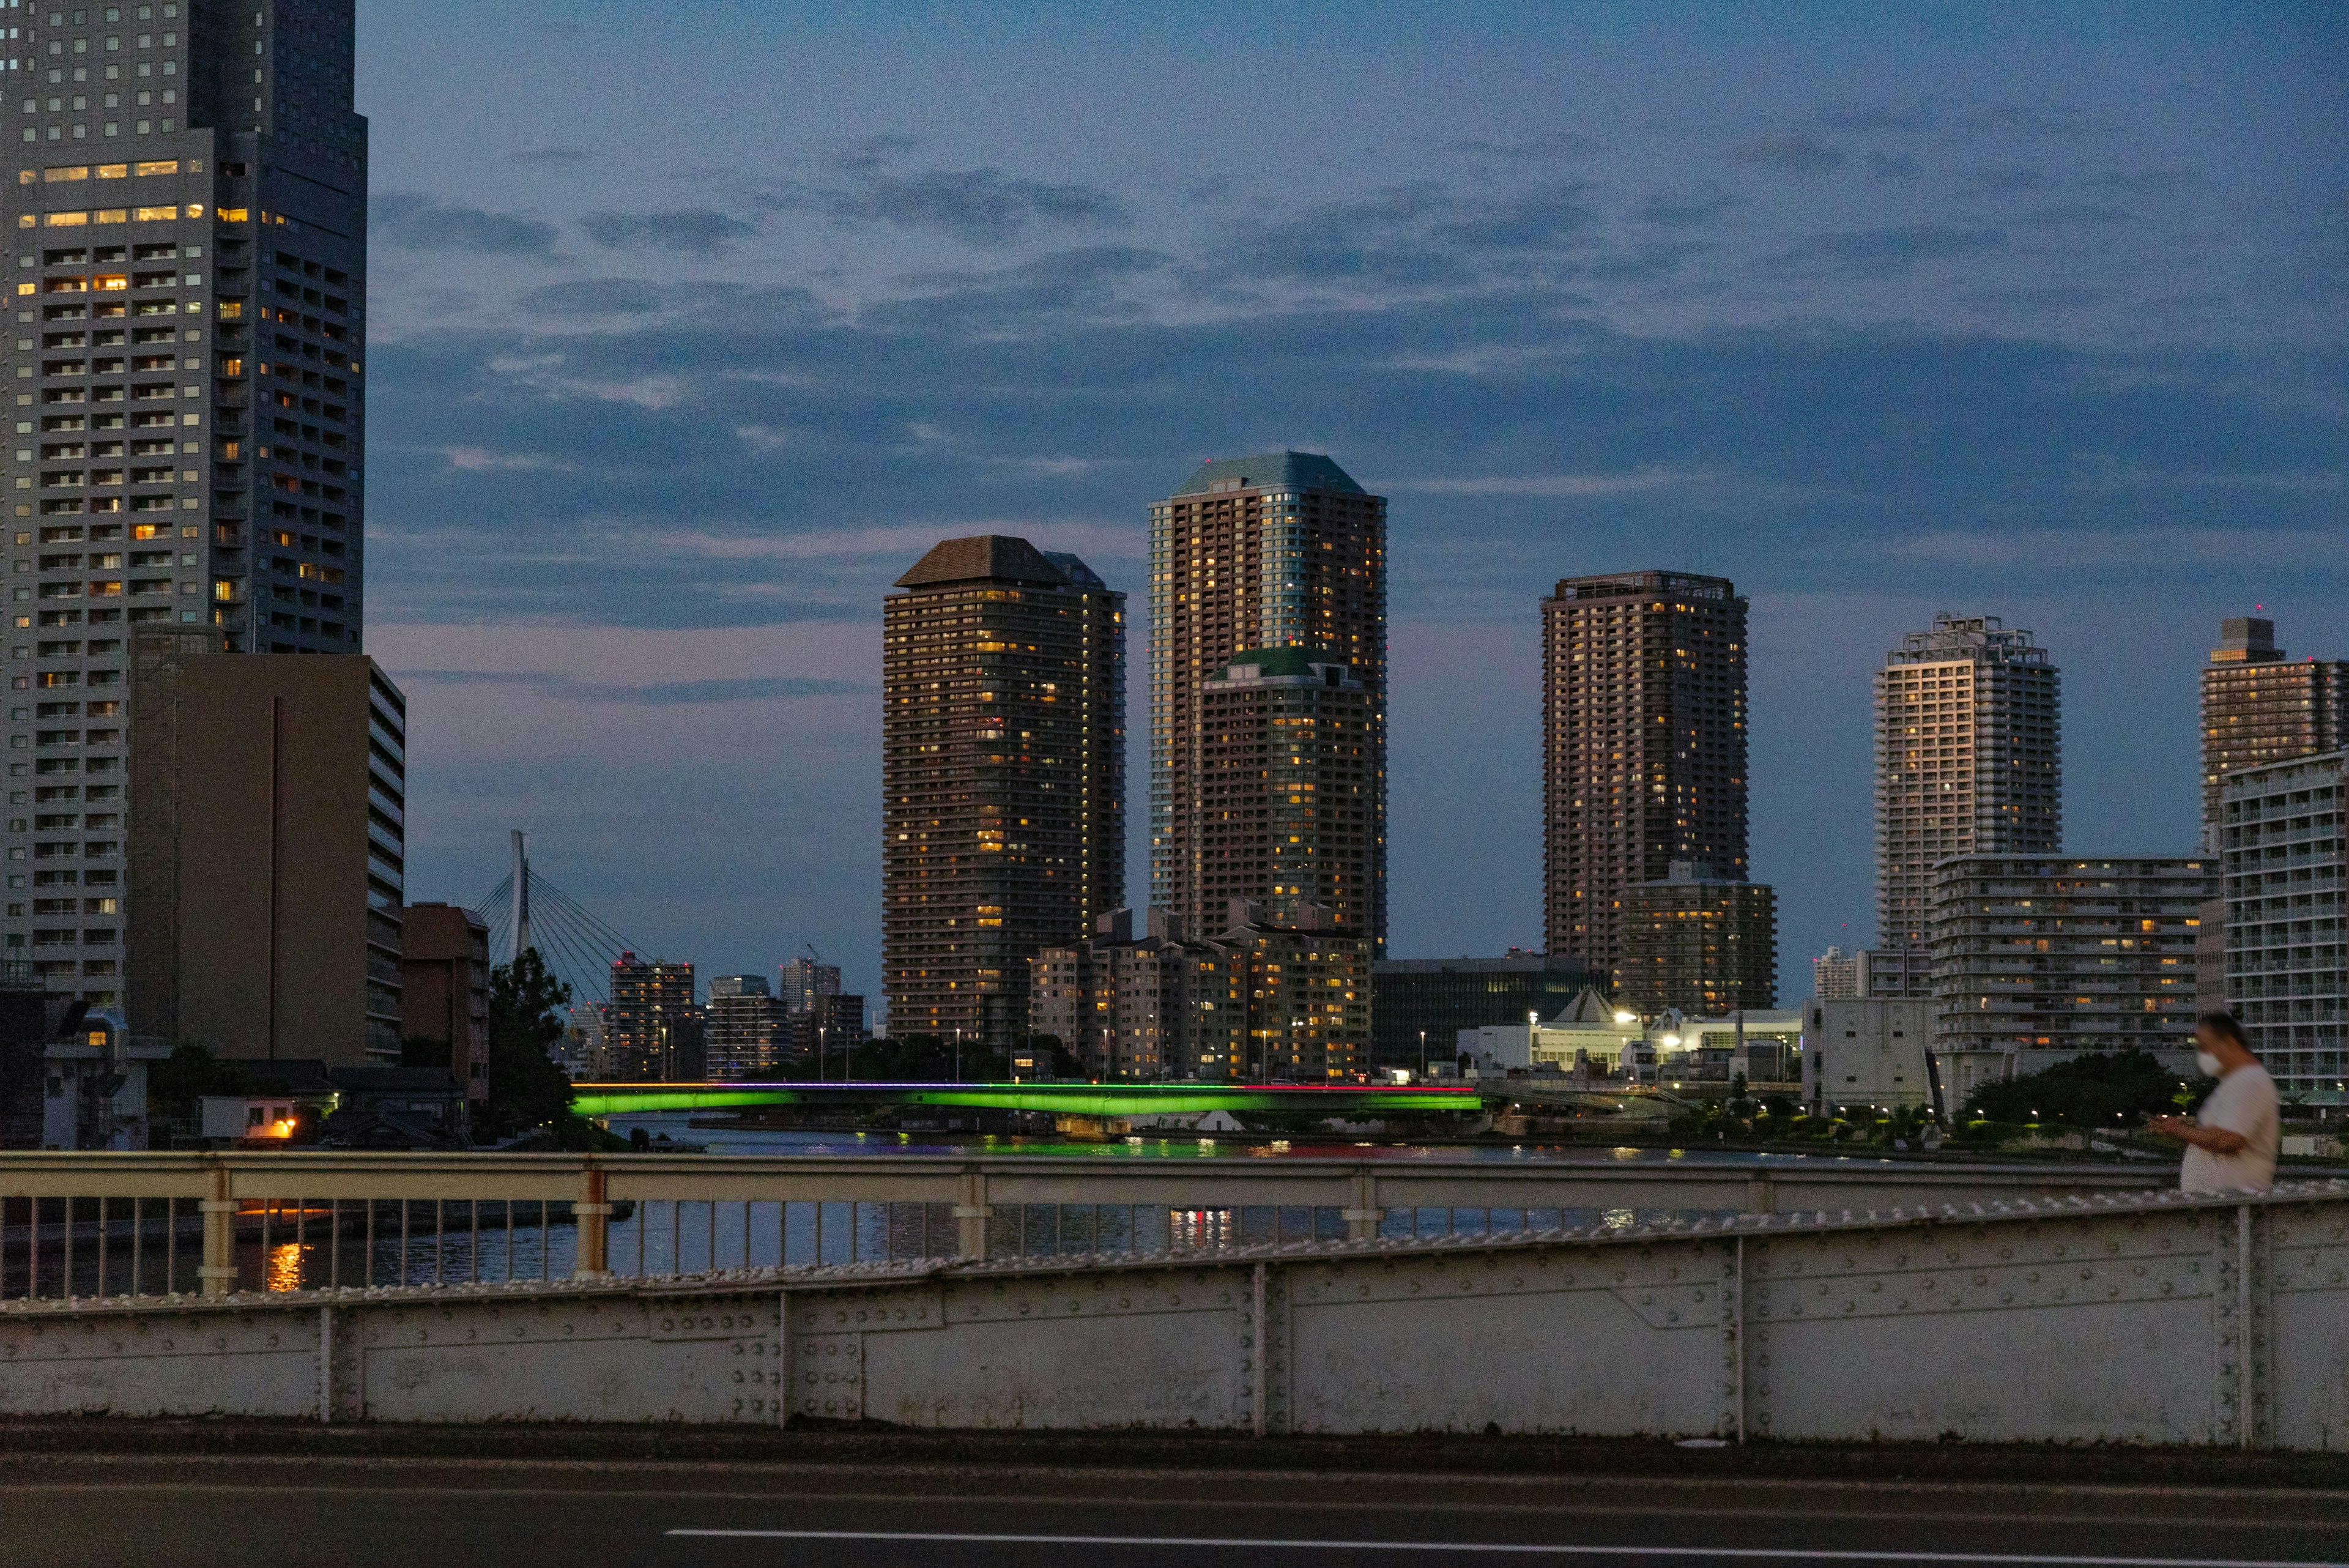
[693, 326]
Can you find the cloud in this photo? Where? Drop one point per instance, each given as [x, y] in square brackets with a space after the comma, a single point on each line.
[1564, 144]
[870, 152]
[1892, 252]
[549, 157]
[1892, 165]
[1075, 284]
[698, 231]
[1793, 153]
[978, 206]
[2006, 182]
[666, 694]
[593, 297]
[1685, 209]
[1872, 117]
[1549, 486]
[417, 222]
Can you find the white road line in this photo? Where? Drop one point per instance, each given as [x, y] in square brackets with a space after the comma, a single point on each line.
[1489, 1548]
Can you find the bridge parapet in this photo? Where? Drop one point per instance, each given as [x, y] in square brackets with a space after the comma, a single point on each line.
[2148, 1318]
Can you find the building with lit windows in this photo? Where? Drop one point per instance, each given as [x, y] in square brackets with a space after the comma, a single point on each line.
[1969, 760]
[1835, 975]
[653, 1028]
[2286, 887]
[187, 401]
[1643, 746]
[2043, 957]
[745, 1030]
[1269, 674]
[1121, 1004]
[1700, 944]
[1003, 776]
[1294, 1001]
[2261, 707]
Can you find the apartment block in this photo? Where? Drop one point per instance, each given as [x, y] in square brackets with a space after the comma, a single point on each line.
[2286, 885]
[653, 1029]
[1120, 1002]
[264, 857]
[444, 987]
[1698, 943]
[2044, 958]
[2261, 707]
[1968, 761]
[1296, 1002]
[1267, 576]
[1643, 746]
[189, 317]
[1003, 773]
[745, 1030]
[1835, 975]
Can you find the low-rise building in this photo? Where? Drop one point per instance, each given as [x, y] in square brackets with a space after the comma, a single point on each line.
[1418, 1006]
[1697, 942]
[1834, 974]
[1304, 986]
[2286, 885]
[1867, 1052]
[444, 987]
[1119, 1003]
[745, 1030]
[2044, 958]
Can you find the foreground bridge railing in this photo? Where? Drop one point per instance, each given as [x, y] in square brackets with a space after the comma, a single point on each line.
[2146, 1318]
[104, 1225]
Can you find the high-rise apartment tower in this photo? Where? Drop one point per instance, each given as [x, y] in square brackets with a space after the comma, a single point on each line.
[1282, 558]
[190, 213]
[2259, 706]
[1003, 775]
[1643, 743]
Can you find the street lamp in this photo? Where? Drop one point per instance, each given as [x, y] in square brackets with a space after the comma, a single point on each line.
[957, 1053]
[1423, 1054]
[819, 1054]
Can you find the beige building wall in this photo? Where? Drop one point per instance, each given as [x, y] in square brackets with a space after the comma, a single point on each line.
[267, 793]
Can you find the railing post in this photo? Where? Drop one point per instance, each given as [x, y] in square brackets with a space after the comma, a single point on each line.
[217, 1273]
[971, 1215]
[1363, 1218]
[592, 1214]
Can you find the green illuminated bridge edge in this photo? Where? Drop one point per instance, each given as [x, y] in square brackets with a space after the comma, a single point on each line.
[1068, 1099]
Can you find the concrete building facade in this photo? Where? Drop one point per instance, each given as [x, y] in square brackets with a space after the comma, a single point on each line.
[2286, 885]
[1868, 1052]
[1643, 748]
[1296, 1002]
[2044, 958]
[1968, 761]
[1121, 1002]
[1003, 773]
[267, 841]
[1698, 943]
[444, 987]
[190, 213]
[2259, 706]
[1281, 557]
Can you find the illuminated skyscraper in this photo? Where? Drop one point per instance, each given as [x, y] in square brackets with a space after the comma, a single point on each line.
[1643, 738]
[1969, 760]
[1003, 775]
[2259, 708]
[1267, 576]
[190, 213]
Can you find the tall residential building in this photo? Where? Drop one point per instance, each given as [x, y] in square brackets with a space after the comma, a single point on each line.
[264, 857]
[2286, 884]
[806, 979]
[1968, 761]
[1267, 576]
[1699, 942]
[1835, 975]
[1644, 747]
[190, 211]
[1003, 773]
[652, 1032]
[2043, 957]
[1284, 1001]
[2259, 708]
[746, 1032]
[444, 987]
[1121, 1004]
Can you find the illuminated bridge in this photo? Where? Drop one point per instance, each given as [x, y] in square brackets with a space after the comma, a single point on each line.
[1064, 1099]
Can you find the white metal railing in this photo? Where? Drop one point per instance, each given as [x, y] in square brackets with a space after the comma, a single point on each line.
[107, 1225]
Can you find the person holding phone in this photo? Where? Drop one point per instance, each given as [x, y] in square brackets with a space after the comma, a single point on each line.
[2232, 1141]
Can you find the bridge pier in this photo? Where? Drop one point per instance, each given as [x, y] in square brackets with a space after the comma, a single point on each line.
[1364, 1214]
[971, 1214]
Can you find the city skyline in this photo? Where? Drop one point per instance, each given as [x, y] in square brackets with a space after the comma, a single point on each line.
[1763, 326]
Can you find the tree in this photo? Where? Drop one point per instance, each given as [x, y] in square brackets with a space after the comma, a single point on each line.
[526, 1088]
[2100, 1089]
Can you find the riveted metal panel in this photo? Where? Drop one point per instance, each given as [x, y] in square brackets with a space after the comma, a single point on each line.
[259, 1363]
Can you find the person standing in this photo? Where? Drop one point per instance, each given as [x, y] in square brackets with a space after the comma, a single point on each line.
[2232, 1141]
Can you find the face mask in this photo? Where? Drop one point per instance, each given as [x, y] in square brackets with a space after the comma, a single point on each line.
[2208, 1064]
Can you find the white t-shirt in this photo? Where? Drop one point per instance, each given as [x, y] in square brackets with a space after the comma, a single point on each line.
[2245, 1102]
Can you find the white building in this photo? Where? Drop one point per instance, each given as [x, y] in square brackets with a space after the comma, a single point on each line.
[1860, 1051]
[2280, 832]
[1834, 974]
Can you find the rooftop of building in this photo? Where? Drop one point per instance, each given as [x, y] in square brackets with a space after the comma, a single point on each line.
[1632, 585]
[1269, 471]
[1308, 665]
[1507, 963]
[994, 557]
